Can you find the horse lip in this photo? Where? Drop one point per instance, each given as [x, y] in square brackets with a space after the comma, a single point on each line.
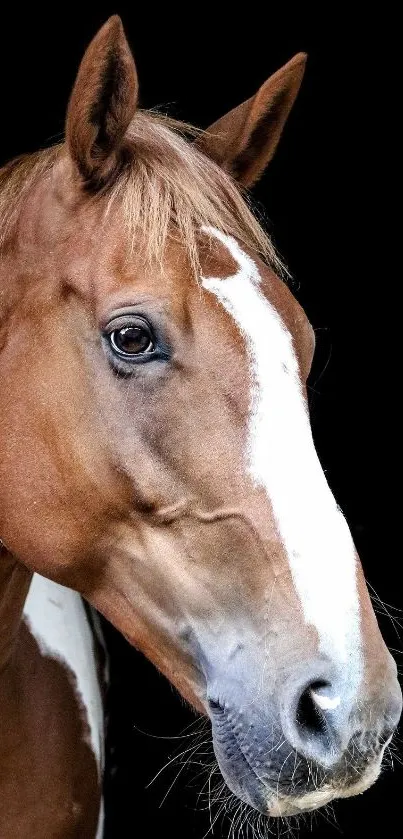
[293, 806]
[284, 806]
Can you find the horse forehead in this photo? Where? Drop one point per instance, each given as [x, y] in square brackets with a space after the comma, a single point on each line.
[102, 266]
[109, 273]
[216, 260]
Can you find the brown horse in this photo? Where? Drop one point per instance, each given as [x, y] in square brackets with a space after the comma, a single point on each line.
[156, 457]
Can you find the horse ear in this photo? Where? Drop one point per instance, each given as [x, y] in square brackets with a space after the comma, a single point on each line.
[102, 104]
[245, 139]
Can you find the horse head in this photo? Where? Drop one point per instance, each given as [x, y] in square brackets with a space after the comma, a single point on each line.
[156, 451]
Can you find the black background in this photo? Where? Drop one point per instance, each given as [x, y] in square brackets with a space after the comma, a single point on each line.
[330, 195]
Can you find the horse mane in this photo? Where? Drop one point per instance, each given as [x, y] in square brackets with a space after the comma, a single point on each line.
[166, 186]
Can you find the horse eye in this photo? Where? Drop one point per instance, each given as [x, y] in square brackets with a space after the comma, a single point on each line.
[130, 341]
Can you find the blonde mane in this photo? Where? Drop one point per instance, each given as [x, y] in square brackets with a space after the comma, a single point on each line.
[166, 187]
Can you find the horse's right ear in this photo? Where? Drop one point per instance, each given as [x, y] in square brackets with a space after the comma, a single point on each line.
[102, 105]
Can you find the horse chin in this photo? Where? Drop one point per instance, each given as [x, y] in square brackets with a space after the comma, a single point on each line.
[291, 806]
[287, 806]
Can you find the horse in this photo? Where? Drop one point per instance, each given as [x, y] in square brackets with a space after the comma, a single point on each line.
[157, 460]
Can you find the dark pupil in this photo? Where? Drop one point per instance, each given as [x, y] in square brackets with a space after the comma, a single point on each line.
[132, 340]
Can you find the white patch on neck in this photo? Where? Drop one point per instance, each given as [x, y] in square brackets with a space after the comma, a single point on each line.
[57, 619]
[281, 458]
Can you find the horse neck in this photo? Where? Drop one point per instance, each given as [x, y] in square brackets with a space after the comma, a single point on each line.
[15, 580]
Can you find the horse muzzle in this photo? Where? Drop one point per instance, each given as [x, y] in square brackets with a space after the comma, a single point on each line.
[303, 746]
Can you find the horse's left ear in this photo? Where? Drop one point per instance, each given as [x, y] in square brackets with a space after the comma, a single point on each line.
[102, 105]
[245, 139]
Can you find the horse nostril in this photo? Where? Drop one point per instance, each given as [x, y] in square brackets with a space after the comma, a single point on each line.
[215, 705]
[310, 716]
[316, 722]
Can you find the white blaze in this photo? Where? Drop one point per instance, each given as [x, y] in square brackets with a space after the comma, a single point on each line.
[281, 458]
